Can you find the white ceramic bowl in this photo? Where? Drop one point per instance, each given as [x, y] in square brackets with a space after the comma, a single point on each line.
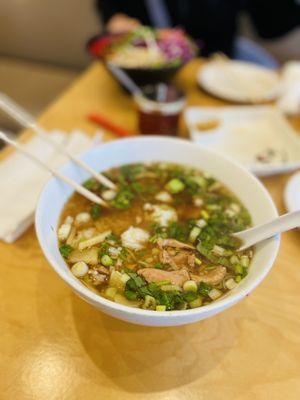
[152, 148]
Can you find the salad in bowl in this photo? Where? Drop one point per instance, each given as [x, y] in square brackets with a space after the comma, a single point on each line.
[147, 55]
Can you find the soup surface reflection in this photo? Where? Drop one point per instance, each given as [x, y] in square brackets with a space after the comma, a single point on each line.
[164, 244]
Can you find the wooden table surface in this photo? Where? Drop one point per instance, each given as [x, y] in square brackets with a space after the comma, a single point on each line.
[53, 345]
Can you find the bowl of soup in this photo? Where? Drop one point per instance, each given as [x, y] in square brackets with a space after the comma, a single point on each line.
[162, 253]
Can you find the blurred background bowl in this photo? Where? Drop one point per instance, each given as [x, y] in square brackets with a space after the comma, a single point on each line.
[141, 76]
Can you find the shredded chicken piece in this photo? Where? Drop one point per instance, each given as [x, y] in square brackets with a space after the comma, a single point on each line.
[165, 258]
[157, 275]
[174, 243]
[181, 259]
[97, 278]
[191, 260]
[102, 270]
[177, 254]
[213, 276]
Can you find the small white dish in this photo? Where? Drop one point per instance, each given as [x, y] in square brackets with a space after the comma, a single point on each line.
[259, 137]
[239, 81]
[153, 148]
[292, 193]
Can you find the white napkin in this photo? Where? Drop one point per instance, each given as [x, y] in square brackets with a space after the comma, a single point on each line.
[21, 180]
[289, 101]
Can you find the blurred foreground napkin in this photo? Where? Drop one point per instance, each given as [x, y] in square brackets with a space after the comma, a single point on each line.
[21, 180]
[289, 101]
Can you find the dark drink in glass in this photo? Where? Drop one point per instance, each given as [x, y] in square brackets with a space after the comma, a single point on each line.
[159, 109]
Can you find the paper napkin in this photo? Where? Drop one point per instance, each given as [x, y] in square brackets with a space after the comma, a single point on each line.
[21, 180]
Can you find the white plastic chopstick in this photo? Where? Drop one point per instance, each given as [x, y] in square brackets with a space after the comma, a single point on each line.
[80, 189]
[24, 118]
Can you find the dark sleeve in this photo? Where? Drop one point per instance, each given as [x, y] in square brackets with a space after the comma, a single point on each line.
[133, 8]
[274, 18]
[107, 8]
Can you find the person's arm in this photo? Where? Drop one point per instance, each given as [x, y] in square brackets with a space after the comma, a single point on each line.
[107, 8]
[120, 23]
[274, 18]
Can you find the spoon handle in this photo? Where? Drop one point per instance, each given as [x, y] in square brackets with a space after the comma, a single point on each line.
[124, 78]
[255, 235]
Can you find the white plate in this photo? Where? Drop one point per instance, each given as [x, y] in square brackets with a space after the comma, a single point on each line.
[292, 193]
[259, 137]
[239, 81]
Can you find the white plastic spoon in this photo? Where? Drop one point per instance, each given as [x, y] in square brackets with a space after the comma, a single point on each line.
[284, 223]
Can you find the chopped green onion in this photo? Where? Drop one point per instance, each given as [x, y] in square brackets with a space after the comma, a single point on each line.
[138, 187]
[79, 269]
[106, 260]
[234, 259]
[110, 292]
[149, 303]
[218, 250]
[125, 277]
[204, 214]
[194, 234]
[113, 237]
[198, 261]
[201, 223]
[238, 269]
[135, 281]
[116, 280]
[200, 180]
[159, 266]
[190, 286]
[215, 294]
[245, 261]
[230, 284]
[245, 272]
[175, 186]
[190, 296]
[182, 306]
[130, 294]
[204, 288]
[196, 303]
[160, 308]
[178, 231]
[213, 207]
[123, 199]
[238, 278]
[66, 250]
[91, 184]
[95, 211]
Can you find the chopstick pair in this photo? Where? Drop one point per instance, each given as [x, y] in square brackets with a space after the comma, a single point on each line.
[25, 119]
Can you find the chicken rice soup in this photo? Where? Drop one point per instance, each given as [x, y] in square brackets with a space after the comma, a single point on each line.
[165, 243]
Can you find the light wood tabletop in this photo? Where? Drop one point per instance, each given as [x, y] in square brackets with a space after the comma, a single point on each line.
[53, 345]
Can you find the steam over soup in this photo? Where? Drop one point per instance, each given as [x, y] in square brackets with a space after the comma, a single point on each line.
[164, 244]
